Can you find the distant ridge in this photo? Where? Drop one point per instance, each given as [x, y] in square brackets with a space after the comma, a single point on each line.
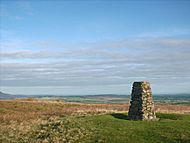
[10, 96]
[5, 96]
[13, 96]
[163, 97]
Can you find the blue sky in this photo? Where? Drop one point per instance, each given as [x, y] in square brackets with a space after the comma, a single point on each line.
[94, 47]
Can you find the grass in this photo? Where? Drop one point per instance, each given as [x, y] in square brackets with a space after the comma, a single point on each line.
[112, 128]
[116, 128]
[42, 121]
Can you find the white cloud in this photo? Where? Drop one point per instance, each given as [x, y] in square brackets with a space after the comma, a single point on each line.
[158, 60]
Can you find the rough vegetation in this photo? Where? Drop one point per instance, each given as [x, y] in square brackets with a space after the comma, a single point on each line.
[54, 121]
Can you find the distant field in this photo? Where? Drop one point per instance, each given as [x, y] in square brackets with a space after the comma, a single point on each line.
[120, 99]
[31, 120]
[177, 99]
[98, 99]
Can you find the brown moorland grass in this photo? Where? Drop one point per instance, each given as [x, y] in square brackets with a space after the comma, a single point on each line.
[25, 110]
[17, 117]
[21, 110]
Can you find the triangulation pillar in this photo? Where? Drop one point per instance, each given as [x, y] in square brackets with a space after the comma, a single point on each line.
[142, 105]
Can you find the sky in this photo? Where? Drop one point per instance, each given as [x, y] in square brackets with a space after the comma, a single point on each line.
[82, 47]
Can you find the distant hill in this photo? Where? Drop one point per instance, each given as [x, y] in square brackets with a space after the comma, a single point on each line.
[5, 96]
[10, 96]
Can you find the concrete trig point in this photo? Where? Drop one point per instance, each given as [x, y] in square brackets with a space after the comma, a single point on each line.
[142, 105]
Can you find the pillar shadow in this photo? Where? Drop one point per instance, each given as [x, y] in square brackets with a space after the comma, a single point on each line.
[120, 116]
